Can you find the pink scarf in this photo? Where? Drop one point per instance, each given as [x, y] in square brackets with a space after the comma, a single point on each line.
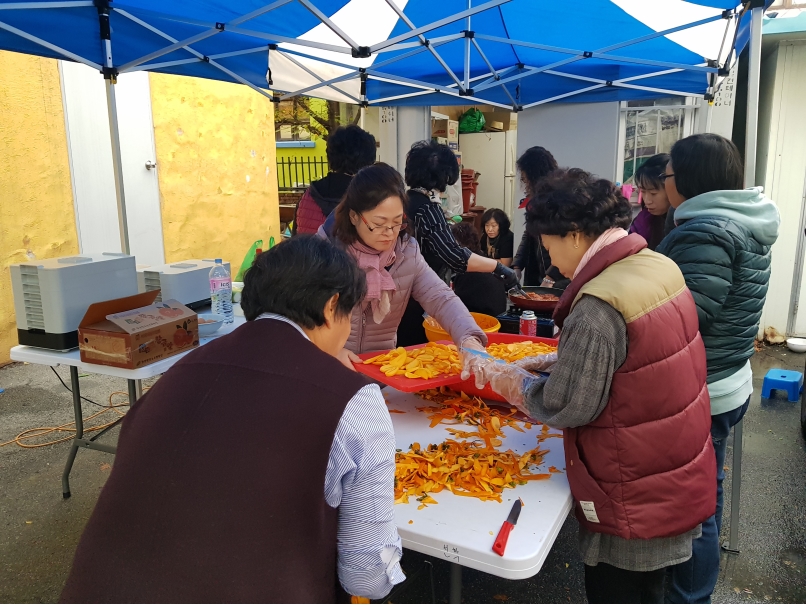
[380, 284]
[611, 236]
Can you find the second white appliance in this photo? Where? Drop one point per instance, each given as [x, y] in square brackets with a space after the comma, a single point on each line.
[493, 155]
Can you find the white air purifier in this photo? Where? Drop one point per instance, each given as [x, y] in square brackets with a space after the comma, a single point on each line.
[51, 296]
[187, 281]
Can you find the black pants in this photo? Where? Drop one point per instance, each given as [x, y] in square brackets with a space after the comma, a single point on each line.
[607, 584]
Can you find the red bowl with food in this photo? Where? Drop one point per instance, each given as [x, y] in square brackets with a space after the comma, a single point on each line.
[539, 298]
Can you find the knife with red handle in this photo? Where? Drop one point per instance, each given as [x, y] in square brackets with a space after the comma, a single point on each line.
[500, 544]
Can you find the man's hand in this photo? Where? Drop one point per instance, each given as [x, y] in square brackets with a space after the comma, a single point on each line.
[348, 358]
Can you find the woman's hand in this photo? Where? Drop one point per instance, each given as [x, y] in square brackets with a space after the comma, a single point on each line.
[506, 275]
[348, 358]
[538, 363]
[509, 381]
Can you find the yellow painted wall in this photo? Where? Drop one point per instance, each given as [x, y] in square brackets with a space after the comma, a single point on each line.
[217, 160]
[37, 218]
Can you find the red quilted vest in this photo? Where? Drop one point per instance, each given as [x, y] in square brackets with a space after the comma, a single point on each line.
[645, 468]
[309, 216]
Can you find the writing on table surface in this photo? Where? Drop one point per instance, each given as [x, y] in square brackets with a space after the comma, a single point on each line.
[450, 552]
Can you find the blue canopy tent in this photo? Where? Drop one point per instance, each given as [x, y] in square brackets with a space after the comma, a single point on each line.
[507, 53]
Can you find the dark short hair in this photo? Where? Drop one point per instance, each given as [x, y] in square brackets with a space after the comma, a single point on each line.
[535, 163]
[466, 236]
[297, 277]
[500, 217]
[368, 188]
[431, 166]
[349, 149]
[648, 174]
[574, 200]
[706, 162]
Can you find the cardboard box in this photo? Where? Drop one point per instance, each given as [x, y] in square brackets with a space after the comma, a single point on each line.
[508, 119]
[448, 129]
[440, 140]
[133, 332]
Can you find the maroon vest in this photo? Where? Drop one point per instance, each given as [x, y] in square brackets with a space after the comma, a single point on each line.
[309, 216]
[217, 490]
[645, 468]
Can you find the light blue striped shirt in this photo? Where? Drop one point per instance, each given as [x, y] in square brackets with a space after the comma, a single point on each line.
[360, 483]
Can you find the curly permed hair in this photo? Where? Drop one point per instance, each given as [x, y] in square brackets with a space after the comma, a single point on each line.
[573, 200]
[535, 163]
[431, 166]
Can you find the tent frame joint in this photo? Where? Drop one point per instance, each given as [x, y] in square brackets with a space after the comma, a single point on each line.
[220, 26]
[362, 52]
[465, 92]
[727, 14]
[756, 4]
[587, 54]
[469, 33]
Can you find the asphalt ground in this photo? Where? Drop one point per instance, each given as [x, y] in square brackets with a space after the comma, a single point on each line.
[39, 530]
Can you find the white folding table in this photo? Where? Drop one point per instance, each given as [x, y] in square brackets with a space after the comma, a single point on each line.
[462, 530]
[133, 379]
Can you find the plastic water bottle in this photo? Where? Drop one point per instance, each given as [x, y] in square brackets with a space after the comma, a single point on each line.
[221, 291]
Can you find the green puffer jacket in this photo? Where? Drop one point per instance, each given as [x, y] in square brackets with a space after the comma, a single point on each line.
[722, 245]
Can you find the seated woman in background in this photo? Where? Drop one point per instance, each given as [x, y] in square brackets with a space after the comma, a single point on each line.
[371, 224]
[349, 149]
[481, 292]
[497, 241]
[651, 221]
[181, 520]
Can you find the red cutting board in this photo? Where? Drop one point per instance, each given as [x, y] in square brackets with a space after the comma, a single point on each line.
[412, 385]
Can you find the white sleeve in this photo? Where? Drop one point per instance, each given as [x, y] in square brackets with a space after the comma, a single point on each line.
[360, 482]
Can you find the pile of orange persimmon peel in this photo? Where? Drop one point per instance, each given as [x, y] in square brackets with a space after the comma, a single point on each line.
[436, 359]
[469, 465]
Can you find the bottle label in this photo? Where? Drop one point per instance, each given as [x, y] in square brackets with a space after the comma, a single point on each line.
[220, 285]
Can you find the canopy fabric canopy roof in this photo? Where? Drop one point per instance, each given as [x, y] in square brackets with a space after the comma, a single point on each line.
[511, 53]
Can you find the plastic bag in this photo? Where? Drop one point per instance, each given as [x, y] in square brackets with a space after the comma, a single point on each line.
[452, 202]
[248, 260]
[471, 121]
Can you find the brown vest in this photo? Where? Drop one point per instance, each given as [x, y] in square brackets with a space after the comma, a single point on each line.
[217, 490]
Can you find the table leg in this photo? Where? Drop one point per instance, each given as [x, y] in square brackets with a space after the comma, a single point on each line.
[79, 420]
[732, 545]
[135, 390]
[456, 583]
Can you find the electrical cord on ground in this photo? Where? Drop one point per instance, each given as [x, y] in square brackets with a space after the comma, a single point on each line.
[22, 440]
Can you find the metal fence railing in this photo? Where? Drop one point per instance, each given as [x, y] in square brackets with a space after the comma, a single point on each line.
[295, 174]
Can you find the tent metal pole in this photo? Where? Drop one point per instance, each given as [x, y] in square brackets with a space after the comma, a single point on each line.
[753, 81]
[751, 142]
[467, 48]
[117, 165]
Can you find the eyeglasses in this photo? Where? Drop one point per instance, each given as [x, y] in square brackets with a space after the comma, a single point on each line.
[393, 228]
[663, 176]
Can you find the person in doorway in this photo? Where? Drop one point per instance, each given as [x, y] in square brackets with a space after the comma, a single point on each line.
[371, 224]
[430, 168]
[349, 149]
[532, 262]
[481, 292]
[193, 511]
[722, 245]
[497, 241]
[651, 220]
[639, 459]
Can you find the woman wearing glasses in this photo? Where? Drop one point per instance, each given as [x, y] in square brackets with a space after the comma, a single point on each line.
[371, 224]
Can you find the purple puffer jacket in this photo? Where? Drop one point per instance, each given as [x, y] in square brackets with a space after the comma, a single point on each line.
[413, 277]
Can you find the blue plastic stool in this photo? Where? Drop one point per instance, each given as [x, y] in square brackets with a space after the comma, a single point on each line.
[784, 380]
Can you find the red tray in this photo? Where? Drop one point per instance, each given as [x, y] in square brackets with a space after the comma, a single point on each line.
[412, 385]
[401, 383]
